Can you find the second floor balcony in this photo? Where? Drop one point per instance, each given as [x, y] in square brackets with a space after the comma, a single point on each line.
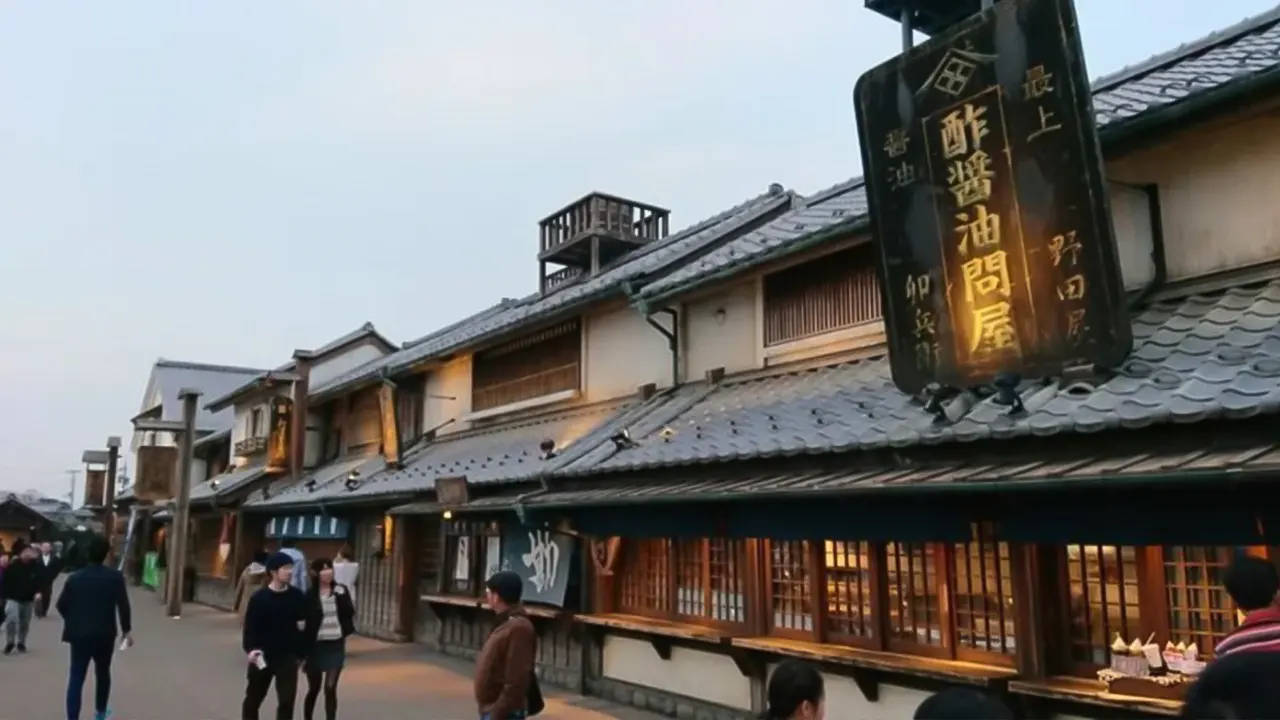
[250, 446]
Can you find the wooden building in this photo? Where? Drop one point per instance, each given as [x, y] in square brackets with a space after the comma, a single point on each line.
[691, 447]
[20, 521]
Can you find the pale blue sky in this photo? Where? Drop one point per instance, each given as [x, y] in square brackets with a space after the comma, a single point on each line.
[173, 175]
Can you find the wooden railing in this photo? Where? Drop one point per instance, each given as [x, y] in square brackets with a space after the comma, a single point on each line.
[603, 215]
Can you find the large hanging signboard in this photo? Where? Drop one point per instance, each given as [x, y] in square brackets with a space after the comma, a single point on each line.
[984, 177]
[278, 437]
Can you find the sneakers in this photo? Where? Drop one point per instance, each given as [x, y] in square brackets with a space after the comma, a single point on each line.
[104, 715]
[22, 649]
[8, 649]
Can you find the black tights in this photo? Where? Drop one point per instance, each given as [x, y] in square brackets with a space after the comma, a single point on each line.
[328, 680]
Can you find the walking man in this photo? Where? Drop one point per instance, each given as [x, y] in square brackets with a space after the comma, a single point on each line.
[21, 592]
[273, 639]
[91, 601]
[50, 567]
[290, 547]
[505, 686]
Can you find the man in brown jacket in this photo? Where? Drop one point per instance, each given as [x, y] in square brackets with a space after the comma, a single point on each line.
[504, 669]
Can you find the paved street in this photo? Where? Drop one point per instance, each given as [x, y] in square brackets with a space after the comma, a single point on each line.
[192, 668]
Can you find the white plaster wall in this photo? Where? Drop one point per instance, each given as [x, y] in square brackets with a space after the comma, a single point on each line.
[1218, 189]
[623, 352]
[452, 380]
[334, 365]
[720, 330]
[694, 674]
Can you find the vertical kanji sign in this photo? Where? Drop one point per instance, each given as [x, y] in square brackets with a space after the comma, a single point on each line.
[988, 202]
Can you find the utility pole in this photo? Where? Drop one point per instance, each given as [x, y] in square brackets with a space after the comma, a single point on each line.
[109, 518]
[71, 498]
[182, 513]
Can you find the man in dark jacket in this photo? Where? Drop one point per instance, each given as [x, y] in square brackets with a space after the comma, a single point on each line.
[504, 668]
[50, 567]
[21, 591]
[273, 640]
[90, 603]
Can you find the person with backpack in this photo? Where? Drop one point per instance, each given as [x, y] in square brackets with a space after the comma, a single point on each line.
[505, 685]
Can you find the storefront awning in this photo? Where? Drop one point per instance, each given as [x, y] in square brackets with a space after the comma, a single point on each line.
[308, 527]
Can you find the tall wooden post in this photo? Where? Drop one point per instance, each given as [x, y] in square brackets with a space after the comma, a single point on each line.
[182, 513]
[109, 499]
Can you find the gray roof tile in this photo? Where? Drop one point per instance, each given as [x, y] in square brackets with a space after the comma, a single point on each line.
[1195, 359]
[328, 479]
[1212, 63]
[227, 482]
[507, 453]
[654, 257]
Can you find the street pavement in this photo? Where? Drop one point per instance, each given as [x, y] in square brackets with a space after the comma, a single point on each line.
[192, 668]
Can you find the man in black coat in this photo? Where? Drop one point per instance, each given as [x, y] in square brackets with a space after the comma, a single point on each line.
[21, 591]
[91, 601]
[50, 568]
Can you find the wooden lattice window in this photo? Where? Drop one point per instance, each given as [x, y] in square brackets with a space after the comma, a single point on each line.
[644, 586]
[915, 602]
[1200, 611]
[469, 551]
[1102, 586]
[982, 597]
[830, 293]
[711, 580]
[850, 591]
[791, 588]
[543, 363]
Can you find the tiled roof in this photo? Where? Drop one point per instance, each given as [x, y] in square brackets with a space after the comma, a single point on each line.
[366, 330]
[637, 266]
[227, 482]
[211, 380]
[833, 207]
[1195, 359]
[507, 453]
[285, 492]
[1213, 63]
[710, 485]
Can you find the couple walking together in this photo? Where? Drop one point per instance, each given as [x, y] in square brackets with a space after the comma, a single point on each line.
[286, 629]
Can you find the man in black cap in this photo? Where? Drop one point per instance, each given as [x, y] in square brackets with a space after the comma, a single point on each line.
[272, 638]
[505, 685]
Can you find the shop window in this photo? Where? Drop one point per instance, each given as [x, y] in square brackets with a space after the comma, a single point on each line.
[1102, 587]
[790, 588]
[849, 607]
[645, 578]
[1172, 593]
[982, 600]
[710, 580]
[915, 594]
[1200, 611]
[469, 553]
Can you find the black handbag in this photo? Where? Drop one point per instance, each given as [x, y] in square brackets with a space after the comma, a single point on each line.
[533, 702]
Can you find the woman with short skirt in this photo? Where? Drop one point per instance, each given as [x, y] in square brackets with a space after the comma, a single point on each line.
[330, 619]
